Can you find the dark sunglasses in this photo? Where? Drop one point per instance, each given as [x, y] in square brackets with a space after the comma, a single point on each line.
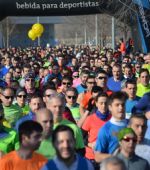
[64, 83]
[48, 95]
[18, 72]
[76, 76]
[91, 82]
[102, 78]
[104, 61]
[128, 139]
[32, 80]
[71, 97]
[20, 96]
[8, 97]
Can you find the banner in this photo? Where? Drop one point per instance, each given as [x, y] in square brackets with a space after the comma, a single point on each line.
[143, 20]
[48, 7]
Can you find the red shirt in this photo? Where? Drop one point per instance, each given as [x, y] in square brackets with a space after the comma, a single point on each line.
[92, 125]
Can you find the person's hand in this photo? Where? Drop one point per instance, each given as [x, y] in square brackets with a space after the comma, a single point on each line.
[147, 58]
[92, 145]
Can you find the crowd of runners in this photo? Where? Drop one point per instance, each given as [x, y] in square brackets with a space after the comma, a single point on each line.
[74, 108]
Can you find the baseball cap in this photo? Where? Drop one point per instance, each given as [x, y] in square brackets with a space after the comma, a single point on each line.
[30, 75]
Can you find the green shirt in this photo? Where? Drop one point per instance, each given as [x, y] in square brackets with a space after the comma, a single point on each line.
[12, 114]
[75, 112]
[47, 64]
[8, 140]
[77, 132]
[141, 90]
[147, 66]
[47, 149]
[25, 109]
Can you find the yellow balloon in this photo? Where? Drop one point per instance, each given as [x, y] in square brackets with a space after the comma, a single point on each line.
[31, 35]
[38, 29]
[33, 39]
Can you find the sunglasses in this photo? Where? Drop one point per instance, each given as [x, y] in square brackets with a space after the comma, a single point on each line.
[20, 96]
[18, 72]
[48, 95]
[32, 80]
[8, 97]
[128, 139]
[91, 82]
[104, 61]
[76, 76]
[100, 78]
[71, 97]
[64, 83]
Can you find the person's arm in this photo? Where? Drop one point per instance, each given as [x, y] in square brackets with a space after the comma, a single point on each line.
[102, 144]
[82, 110]
[86, 112]
[82, 119]
[99, 157]
[80, 97]
[91, 145]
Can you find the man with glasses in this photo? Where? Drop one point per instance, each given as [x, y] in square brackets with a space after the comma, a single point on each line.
[17, 73]
[30, 83]
[48, 90]
[101, 81]
[103, 61]
[127, 139]
[65, 84]
[11, 112]
[138, 67]
[71, 102]
[76, 79]
[21, 97]
[35, 103]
